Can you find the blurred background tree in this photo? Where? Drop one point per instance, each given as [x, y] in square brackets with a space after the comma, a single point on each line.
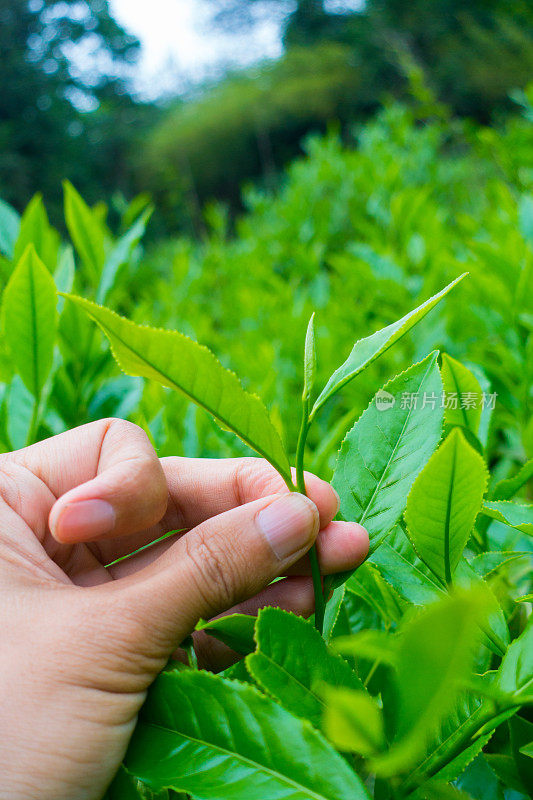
[65, 110]
[67, 107]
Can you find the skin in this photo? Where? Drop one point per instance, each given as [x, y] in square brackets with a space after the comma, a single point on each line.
[81, 644]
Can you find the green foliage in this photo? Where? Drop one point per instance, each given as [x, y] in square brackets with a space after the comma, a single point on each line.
[443, 504]
[423, 687]
[201, 718]
[386, 449]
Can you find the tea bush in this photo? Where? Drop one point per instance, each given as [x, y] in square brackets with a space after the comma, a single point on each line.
[421, 682]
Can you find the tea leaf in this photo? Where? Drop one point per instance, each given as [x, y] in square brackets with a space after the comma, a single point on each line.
[353, 721]
[120, 254]
[85, 230]
[235, 630]
[458, 380]
[180, 363]
[516, 515]
[386, 449]
[434, 654]
[292, 661]
[35, 229]
[506, 489]
[515, 674]
[408, 579]
[444, 502]
[30, 320]
[9, 228]
[309, 360]
[223, 740]
[365, 351]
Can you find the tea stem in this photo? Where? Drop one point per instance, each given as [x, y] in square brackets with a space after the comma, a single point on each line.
[313, 555]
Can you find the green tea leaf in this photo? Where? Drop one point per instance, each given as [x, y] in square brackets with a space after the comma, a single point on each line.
[407, 578]
[9, 229]
[516, 515]
[434, 654]
[387, 448]
[368, 584]
[223, 740]
[444, 502]
[180, 363]
[126, 787]
[506, 489]
[353, 721]
[35, 229]
[235, 630]
[365, 351]
[515, 674]
[292, 661]
[86, 231]
[120, 254]
[30, 320]
[464, 395]
[309, 360]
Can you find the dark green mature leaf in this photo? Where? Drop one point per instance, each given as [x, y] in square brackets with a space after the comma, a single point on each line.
[368, 584]
[180, 363]
[459, 381]
[292, 662]
[86, 231]
[444, 502]
[126, 787]
[30, 320]
[406, 577]
[235, 630]
[365, 351]
[9, 229]
[223, 740]
[434, 655]
[386, 449]
[521, 731]
[353, 721]
[516, 515]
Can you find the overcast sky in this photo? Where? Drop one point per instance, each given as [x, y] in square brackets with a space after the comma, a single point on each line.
[179, 47]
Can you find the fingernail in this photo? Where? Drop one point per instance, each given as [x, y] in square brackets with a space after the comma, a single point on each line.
[84, 521]
[337, 495]
[289, 524]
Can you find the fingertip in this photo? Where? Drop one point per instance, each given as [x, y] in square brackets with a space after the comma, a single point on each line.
[342, 546]
[324, 496]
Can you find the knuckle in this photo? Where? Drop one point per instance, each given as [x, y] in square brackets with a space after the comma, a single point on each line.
[255, 477]
[213, 572]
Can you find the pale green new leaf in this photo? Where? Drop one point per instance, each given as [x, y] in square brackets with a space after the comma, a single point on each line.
[444, 502]
[434, 655]
[365, 351]
[387, 448]
[459, 381]
[30, 319]
[223, 740]
[235, 630]
[180, 363]
[309, 360]
[292, 661]
[516, 515]
[86, 231]
[353, 721]
[515, 674]
[506, 489]
[35, 229]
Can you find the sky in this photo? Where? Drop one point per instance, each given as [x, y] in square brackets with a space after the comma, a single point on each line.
[178, 46]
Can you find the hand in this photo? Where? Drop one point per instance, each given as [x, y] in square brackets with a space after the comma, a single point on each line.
[80, 643]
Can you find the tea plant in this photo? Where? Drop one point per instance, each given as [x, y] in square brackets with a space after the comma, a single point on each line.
[421, 682]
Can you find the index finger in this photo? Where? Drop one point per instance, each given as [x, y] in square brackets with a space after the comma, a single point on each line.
[200, 488]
